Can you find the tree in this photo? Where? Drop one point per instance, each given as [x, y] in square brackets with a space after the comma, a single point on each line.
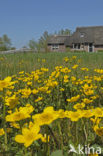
[41, 44]
[44, 40]
[64, 32]
[5, 43]
[34, 45]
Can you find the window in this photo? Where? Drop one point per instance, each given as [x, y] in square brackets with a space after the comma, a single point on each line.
[55, 47]
[82, 35]
[76, 46]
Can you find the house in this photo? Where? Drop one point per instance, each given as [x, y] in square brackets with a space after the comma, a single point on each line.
[57, 43]
[88, 39]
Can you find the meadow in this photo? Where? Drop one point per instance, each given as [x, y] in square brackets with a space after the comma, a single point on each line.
[50, 102]
[13, 63]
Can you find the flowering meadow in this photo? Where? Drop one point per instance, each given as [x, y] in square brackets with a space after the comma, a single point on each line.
[45, 110]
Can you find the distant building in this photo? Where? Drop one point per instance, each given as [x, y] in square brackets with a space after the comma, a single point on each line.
[57, 43]
[88, 39]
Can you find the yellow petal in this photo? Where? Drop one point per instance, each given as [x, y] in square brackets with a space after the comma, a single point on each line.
[19, 138]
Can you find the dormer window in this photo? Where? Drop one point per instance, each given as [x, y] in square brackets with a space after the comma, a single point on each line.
[82, 35]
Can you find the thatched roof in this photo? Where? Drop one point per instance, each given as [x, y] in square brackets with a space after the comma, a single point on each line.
[57, 39]
[87, 35]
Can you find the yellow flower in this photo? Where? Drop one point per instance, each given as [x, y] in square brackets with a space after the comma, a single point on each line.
[34, 91]
[89, 92]
[17, 116]
[51, 83]
[74, 98]
[47, 117]
[15, 125]
[12, 101]
[2, 132]
[11, 87]
[92, 154]
[29, 83]
[86, 101]
[66, 59]
[79, 106]
[74, 57]
[21, 72]
[74, 116]
[39, 99]
[65, 70]
[22, 113]
[45, 138]
[88, 113]
[48, 92]
[5, 83]
[84, 69]
[66, 78]
[26, 92]
[61, 89]
[43, 89]
[98, 112]
[99, 131]
[61, 113]
[73, 78]
[57, 74]
[79, 60]
[94, 97]
[88, 89]
[95, 120]
[43, 60]
[100, 71]
[97, 78]
[28, 135]
[75, 66]
[8, 93]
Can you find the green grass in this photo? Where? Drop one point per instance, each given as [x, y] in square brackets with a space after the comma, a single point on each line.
[13, 63]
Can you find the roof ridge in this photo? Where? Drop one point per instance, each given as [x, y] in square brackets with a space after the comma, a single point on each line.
[60, 35]
[89, 27]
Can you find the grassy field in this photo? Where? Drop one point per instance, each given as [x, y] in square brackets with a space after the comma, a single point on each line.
[12, 63]
[50, 102]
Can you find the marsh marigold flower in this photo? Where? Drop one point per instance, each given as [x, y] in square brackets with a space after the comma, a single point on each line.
[2, 132]
[5, 83]
[99, 131]
[48, 116]
[79, 106]
[74, 116]
[20, 114]
[88, 113]
[74, 98]
[86, 100]
[12, 101]
[84, 69]
[75, 66]
[39, 99]
[26, 92]
[28, 136]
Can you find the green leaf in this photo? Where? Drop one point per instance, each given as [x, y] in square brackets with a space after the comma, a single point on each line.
[57, 153]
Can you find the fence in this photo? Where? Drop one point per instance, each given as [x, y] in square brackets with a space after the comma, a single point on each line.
[16, 51]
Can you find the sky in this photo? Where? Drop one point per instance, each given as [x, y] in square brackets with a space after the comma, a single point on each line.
[23, 20]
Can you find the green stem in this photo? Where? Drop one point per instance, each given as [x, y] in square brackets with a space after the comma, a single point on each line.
[48, 149]
[61, 138]
[25, 151]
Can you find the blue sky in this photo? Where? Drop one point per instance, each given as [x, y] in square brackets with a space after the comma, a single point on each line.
[23, 20]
